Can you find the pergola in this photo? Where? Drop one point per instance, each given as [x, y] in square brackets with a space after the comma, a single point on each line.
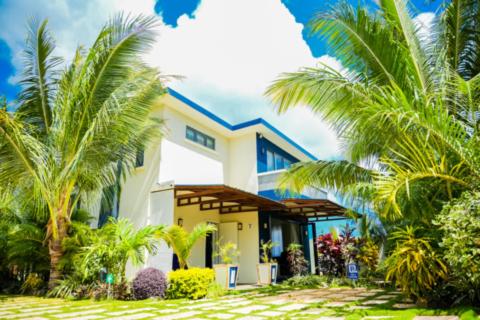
[227, 199]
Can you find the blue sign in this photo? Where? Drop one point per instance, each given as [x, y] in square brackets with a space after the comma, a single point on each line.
[352, 271]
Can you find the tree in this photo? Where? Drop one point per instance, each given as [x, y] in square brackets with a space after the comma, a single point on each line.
[113, 245]
[73, 127]
[182, 242]
[405, 106]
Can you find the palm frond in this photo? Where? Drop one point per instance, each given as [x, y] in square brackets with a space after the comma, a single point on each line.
[39, 78]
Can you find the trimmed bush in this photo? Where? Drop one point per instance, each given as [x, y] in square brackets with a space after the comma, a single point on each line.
[149, 283]
[191, 284]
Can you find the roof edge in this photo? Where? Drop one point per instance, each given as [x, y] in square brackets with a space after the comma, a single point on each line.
[242, 125]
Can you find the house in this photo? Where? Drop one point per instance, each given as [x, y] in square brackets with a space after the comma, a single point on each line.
[207, 170]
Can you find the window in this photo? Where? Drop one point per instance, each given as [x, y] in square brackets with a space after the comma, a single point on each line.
[275, 161]
[200, 138]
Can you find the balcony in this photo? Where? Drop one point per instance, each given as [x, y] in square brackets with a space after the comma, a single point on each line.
[268, 181]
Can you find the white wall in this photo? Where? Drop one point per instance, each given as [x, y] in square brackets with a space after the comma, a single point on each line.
[187, 162]
[248, 244]
[243, 163]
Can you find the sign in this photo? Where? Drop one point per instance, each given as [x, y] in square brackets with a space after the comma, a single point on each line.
[110, 279]
[352, 271]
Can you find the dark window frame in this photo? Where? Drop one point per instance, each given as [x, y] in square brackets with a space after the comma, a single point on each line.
[200, 138]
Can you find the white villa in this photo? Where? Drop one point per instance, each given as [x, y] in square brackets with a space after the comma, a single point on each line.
[207, 170]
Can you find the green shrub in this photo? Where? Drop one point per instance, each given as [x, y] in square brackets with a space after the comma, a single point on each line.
[460, 225]
[307, 281]
[191, 284]
[33, 284]
[414, 265]
[215, 290]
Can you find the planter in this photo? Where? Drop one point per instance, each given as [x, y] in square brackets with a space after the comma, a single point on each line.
[267, 273]
[226, 275]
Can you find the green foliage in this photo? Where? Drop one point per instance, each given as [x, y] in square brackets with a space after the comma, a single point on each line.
[182, 242]
[307, 281]
[74, 128]
[215, 290]
[33, 284]
[266, 248]
[113, 245]
[414, 264]
[368, 255]
[296, 260]
[227, 252]
[191, 283]
[459, 222]
[403, 105]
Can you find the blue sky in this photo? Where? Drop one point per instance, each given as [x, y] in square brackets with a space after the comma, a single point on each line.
[227, 50]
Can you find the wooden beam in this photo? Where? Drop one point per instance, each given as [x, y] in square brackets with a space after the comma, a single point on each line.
[199, 194]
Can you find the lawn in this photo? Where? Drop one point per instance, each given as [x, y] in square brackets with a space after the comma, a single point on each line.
[333, 303]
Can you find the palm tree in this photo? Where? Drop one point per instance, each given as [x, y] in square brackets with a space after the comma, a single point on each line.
[73, 126]
[405, 107]
[182, 242]
[113, 245]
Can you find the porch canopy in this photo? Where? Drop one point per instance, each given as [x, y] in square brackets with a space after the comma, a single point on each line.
[227, 199]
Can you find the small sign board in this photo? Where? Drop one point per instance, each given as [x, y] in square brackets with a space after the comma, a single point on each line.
[352, 271]
[110, 279]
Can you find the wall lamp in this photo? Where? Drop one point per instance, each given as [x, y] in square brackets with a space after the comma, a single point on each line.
[240, 226]
[180, 222]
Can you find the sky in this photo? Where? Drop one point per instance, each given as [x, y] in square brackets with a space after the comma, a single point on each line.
[227, 51]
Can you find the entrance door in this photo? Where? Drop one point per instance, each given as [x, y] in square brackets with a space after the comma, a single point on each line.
[211, 242]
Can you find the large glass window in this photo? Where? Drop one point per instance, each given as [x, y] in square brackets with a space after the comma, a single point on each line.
[276, 161]
[270, 161]
[200, 138]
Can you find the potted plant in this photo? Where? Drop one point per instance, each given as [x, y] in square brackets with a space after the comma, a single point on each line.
[226, 273]
[267, 270]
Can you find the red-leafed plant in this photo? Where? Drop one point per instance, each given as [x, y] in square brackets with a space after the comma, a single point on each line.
[335, 251]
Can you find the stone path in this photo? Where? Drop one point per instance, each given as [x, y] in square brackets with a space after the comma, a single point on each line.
[323, 304]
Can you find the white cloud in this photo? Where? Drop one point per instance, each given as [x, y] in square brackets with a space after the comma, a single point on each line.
[228, 53]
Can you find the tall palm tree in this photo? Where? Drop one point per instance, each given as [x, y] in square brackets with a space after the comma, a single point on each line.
[405, 107]
[74, 125]
[182, 242]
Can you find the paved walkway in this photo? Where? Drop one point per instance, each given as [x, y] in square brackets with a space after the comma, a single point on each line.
[322, 304]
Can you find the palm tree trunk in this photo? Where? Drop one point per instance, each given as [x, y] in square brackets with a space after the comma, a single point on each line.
[56, 252]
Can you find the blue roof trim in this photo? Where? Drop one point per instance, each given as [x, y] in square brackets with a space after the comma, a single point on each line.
[239, 126]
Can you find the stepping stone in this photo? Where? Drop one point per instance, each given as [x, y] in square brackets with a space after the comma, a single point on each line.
[270, 313]
[277, 302]
[239, 303]
[352, 298]
[374, 302]
[2, 313]
[36, 318]
[249, 309]
[331, 318]
[314, 311]
[78, 314]
[367, 294]
[386, 296]
[90, 317]
[292, 307]
[41, 309]
[23, 315]
[178, 315]
[314, 300]
[119, 313]
[436, 318]
[404, 305]
[167, 310]
[335, 304]
[359, 308]
[135, 316]
[202, 305]
[222, 316]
